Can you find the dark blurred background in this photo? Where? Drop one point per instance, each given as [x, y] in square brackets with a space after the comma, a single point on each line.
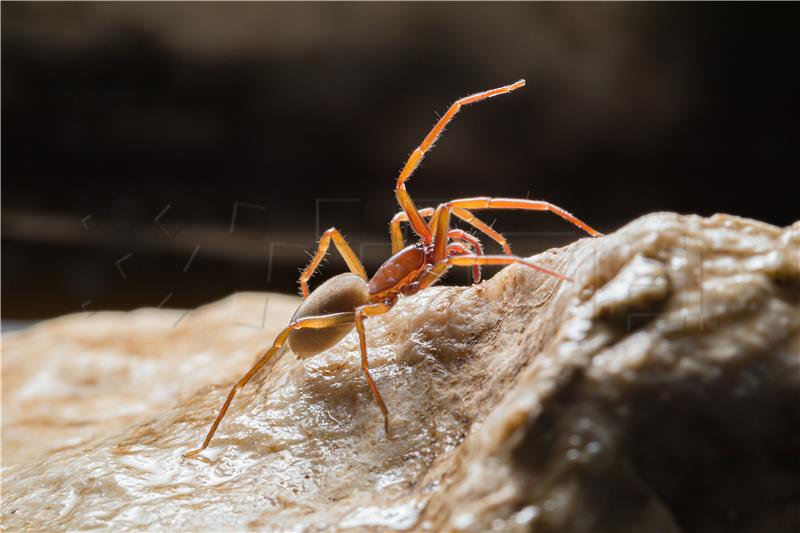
[159, 154]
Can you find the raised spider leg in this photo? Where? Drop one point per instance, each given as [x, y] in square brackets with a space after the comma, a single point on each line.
[438, 269]
[485, 202]
[361, 313]
[315, 322]
[348, 254]
[413, 161]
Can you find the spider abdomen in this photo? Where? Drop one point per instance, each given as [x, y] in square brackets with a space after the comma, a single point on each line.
[340, 294]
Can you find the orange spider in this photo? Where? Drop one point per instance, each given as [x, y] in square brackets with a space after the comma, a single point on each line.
[344, 301]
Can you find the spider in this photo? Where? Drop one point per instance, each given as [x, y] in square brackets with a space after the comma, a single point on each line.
[344, 301]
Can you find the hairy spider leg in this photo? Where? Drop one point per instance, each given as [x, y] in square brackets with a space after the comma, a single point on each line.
[485, 202]
[360, 314]
[348, 254]
[314, 322]
[458, 248]
[463, 236]
[413, 161]
[483, 227]
[438, 269]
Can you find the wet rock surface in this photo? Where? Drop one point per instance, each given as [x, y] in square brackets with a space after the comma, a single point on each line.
[659, 391]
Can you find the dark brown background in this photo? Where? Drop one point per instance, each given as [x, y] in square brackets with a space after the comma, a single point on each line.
[115, 113]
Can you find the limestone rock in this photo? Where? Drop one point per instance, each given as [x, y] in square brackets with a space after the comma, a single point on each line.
[658, 391]
[72, 380]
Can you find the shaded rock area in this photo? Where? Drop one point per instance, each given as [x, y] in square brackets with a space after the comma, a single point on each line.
[658, 391]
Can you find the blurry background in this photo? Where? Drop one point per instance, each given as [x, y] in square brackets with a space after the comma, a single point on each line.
[170, 154]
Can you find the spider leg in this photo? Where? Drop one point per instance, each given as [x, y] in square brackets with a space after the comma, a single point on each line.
[348, 254]
[394, 227]
[361, 313]
[460, 212]
[463, 236]
[440, 225]
[413, 161]
[482, 226]
[459, 235]
[315, 322]
[457, 248]
[439, 268]
[485, 202]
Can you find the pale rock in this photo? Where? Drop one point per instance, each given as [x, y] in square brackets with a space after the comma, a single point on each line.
[658, 391]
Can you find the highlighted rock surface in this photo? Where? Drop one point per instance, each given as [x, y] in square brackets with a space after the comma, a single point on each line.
[659, 391]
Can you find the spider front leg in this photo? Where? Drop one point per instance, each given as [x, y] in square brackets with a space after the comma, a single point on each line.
[361, 313]
[348, 254]
[315, 322]
[413, 161]
[485, 202]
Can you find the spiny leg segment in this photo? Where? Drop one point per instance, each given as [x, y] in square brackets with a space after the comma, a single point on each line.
[485, 202]
[361, 313]
[440, 226]
[440, 221]
[483, 227]
[403, 198]
[348, 254]
[314, 322]
[459, 209]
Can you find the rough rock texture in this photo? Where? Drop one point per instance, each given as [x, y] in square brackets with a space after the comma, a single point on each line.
[660, 391]
[69, 381]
